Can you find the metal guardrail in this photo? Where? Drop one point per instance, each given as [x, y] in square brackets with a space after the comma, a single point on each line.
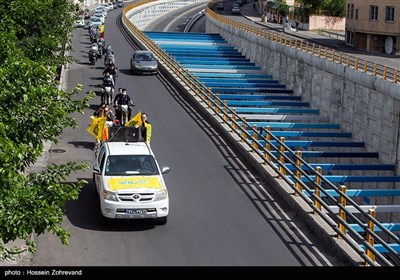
[340, 220]
[374, 69]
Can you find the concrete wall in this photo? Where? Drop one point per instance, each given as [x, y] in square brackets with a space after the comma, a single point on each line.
[367, 106]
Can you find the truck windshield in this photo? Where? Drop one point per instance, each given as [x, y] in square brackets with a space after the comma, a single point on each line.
[128, 165]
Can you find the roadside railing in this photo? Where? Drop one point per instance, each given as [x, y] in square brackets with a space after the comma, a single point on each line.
[378, 70]
[315, 191]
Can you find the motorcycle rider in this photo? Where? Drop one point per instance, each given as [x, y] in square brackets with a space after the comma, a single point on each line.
[123, 99]
[102, 45]
[112, 70]
[94, 51]
[108, 81]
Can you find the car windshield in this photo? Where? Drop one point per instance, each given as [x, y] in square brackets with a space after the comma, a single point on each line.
[144, 57]
[129, 165]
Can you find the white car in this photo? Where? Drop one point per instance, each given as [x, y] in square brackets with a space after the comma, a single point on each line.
[79, 23]
[101, 10]
[128, 180]
[109, 6]
[95, 21]
[100, 16]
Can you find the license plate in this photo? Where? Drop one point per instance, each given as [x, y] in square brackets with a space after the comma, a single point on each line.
[136, 211]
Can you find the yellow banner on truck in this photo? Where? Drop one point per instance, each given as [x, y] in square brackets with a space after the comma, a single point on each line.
[137, 182]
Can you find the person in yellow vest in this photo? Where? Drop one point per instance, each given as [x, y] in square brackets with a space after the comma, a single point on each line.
[146, 128]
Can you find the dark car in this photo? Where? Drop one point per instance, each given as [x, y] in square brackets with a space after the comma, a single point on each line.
[220, 6]
[144, 62]
[120, 3]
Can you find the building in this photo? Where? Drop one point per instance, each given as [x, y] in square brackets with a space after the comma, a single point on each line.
[374, 25]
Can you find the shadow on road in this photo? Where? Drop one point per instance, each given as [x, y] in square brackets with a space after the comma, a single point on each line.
[82, 144]
[85, 213]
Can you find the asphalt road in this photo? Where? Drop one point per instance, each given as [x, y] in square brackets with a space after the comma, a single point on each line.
[221, 213]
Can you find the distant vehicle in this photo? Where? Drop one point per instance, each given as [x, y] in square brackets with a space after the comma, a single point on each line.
[109, 6]
[115, 4]
[100, 16]
[239, 2]
[143, 61]
[220, 6]
[236, 11]
[95, 21]
[79, 23]
[120, 3]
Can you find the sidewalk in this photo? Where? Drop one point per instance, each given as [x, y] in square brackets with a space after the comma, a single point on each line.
[255, 16]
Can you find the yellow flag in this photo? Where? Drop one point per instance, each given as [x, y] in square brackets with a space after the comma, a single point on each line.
[135, 121]
[97, 127]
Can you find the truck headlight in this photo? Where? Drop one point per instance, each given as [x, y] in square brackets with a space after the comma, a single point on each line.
[161, 195]
[110, 196]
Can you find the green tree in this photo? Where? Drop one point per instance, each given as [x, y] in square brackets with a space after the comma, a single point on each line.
[330, 7]
[335, 8]
[283, 8]
[33, 37]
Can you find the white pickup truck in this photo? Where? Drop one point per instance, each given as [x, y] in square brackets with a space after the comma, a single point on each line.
[128, 179]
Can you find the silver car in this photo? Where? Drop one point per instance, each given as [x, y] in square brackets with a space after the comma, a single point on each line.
[143, 61]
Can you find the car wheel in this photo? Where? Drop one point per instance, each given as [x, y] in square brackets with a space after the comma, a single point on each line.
[161, 221]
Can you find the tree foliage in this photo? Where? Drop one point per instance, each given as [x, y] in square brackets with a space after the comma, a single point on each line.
[329, 7]
[34, 36]
[283, 8]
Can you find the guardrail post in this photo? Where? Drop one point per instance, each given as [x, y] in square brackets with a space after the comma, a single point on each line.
[370, 238]
[217, 104]
[307, 47]
[255, 142]
[197, 86]
[356, 65]
[281, 157]
[313, 49]
[301, 45]
[290, 42]
[396, 71]
[210, 100]
[267, 143]
[317, 185]
[342, 213]
[244, 134]
[366, 66]
[333, 56]
[326, 52]
[348, 60]
[340, 57]
[298, 173]
[384, 72]
[225, 109]
[375, 69]
[234, 119]
[203, 93]
[319, 51]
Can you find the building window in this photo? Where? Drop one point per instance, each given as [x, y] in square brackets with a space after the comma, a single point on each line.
[389, 13]
[356, 13]
[352, 11]
[373, 13]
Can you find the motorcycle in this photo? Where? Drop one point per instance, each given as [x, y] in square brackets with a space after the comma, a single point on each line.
[106, 95]
[92, 57]
[108, 60]
[123, 111]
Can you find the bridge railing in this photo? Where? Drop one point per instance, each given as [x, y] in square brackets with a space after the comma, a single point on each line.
[317, 192]
[378, 70]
